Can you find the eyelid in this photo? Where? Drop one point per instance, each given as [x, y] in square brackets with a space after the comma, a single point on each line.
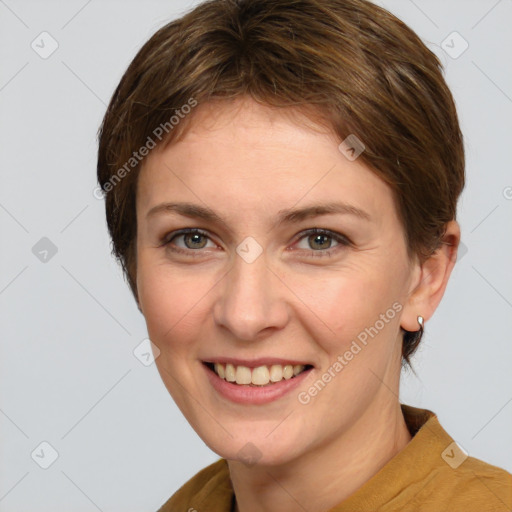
[169, 237]
[341, 239]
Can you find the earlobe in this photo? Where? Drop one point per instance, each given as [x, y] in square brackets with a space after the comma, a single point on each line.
[430, 279]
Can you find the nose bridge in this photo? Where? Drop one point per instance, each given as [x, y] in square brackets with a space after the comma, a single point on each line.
[251, 300]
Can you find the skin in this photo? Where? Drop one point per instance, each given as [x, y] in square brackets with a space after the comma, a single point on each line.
[246, 162]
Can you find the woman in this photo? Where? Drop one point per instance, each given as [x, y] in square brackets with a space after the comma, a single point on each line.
[281, 180]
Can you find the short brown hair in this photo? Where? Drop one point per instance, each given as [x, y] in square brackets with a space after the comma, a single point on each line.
[362, 69]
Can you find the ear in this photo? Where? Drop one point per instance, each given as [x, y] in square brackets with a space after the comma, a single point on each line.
[429, 280]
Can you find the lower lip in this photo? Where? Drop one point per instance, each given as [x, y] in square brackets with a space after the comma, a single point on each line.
[246, 394]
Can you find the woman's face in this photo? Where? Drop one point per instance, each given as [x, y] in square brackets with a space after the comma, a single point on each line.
[256, 288]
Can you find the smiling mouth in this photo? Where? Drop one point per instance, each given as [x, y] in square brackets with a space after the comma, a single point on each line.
[260, 376]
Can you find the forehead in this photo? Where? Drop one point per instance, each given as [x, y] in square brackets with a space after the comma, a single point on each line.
[246, 156]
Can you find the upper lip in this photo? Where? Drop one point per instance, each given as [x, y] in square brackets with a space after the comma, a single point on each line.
[254, 363]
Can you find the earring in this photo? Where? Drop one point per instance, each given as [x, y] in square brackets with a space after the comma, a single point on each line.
[421, 323]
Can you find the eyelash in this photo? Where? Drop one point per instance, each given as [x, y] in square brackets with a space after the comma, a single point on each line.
[342, 240]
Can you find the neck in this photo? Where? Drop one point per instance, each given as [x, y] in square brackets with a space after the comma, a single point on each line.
[338, 467]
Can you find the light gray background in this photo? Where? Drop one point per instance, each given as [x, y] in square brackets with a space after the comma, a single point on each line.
[69, 325]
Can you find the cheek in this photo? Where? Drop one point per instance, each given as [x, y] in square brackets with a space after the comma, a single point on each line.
[362, 313]
[344, 304]
[171, 301]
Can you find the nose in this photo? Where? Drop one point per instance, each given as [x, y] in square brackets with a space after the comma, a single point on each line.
[253, 299]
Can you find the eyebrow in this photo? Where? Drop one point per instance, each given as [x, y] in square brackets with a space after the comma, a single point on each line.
[290, 216]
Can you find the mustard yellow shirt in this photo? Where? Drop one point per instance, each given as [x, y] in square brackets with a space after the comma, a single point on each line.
[430, 474]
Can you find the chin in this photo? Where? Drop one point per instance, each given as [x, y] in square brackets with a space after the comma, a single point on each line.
[254, 449]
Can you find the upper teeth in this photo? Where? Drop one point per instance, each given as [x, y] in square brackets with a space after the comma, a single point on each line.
[259, 376]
